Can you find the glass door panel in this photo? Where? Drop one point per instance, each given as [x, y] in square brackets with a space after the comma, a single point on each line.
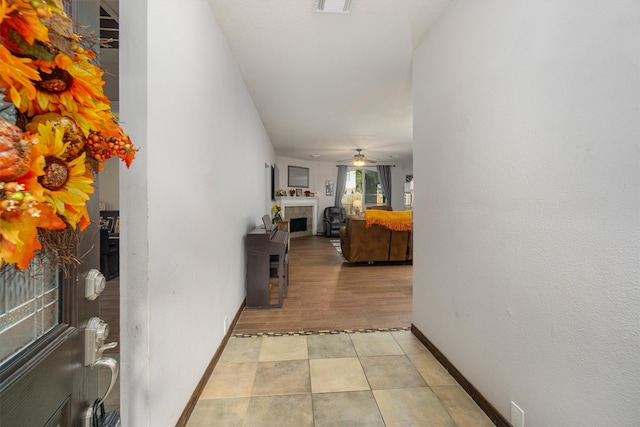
[364, 185]
[372, 189]
[29, 306]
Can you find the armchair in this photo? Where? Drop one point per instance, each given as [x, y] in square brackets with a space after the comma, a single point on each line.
[334, 217]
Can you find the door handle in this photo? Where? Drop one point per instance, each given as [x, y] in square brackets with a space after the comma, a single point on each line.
[95, 334]
[114, 366]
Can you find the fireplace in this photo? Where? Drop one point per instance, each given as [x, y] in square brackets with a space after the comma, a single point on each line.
[298, 224]
[300, 220]
[294, 208]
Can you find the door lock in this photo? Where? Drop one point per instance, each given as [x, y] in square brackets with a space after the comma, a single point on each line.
[95, 335]
[94, 284]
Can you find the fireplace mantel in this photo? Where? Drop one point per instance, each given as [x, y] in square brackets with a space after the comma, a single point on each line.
[300, 201]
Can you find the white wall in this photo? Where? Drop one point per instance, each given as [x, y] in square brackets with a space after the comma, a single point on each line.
[527, 213]
[186, 203]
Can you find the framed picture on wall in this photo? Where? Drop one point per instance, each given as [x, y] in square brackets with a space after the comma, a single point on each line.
[298, 177]
[328, 188]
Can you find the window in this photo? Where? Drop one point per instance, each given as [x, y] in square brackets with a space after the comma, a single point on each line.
[364, 185]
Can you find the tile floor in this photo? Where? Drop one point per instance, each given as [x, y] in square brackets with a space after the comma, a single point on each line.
[384, 378]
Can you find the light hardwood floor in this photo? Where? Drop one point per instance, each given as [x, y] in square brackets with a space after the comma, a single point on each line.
[327, 293]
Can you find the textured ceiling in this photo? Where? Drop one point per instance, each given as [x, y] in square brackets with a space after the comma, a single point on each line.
[326, 84]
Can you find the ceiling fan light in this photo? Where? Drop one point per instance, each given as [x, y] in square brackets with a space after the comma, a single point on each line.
[358, 160]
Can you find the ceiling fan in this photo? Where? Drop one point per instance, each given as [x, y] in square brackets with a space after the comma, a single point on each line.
[359, 159]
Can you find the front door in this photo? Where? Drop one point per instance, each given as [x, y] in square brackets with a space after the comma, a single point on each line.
[47, 377]
[49, 326]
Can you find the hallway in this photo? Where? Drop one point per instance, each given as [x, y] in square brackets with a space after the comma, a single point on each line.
[325, 293]
[338, 353]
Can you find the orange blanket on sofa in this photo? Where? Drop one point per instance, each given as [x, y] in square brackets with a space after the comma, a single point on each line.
[392, 220]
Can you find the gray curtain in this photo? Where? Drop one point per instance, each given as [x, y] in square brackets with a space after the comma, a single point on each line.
[341, 182]
[384, 173]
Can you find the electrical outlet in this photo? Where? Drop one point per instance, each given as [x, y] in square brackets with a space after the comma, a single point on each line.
[517, 415]
[226, 328]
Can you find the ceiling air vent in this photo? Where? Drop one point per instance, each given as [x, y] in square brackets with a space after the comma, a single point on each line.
[334, 6]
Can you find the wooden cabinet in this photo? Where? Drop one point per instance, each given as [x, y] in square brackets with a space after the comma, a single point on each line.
[284, 225]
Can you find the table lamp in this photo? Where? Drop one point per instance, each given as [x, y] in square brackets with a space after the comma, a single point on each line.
[357, 205]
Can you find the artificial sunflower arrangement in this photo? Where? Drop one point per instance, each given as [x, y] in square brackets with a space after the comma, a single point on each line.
[276, 210]
[56, 131]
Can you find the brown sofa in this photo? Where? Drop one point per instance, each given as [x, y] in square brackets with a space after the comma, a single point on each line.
[374, 244]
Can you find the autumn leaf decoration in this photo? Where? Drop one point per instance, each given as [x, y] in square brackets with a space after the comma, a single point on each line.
[56, 130]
